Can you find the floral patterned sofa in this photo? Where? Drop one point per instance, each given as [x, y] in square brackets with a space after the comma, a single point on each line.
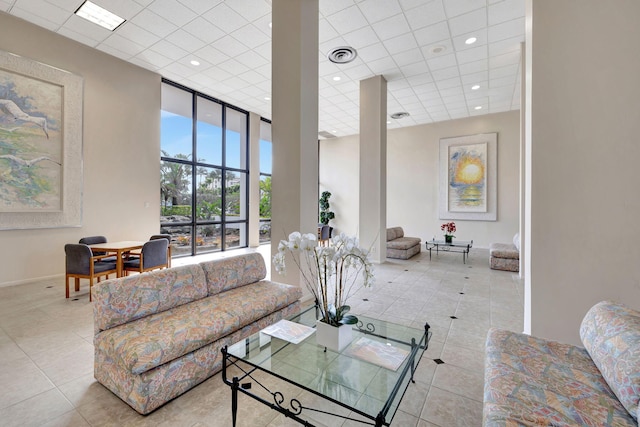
[400, 246]
[159, 334]
[535, 382]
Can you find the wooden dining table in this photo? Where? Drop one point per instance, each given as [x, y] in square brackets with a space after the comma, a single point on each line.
[119, 249]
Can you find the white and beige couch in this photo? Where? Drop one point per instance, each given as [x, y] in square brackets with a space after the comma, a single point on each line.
[159, 334]
[505, 256]
[400, 246]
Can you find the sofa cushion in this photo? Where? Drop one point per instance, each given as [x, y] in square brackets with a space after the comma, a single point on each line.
[611, 334]
[535, 382]
[403, 243]
[229, 273]
[503, 250]
[157, 339]
[122, 300]
[391, 234]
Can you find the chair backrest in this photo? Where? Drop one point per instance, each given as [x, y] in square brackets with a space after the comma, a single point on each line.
[78, 258]
[154, 253]
[161, 236]
[325, 232]
[92, 240]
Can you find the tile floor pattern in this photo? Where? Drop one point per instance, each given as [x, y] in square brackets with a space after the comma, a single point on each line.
[46, 350]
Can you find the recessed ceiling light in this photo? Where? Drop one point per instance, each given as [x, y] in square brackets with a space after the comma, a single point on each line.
[342, 55]
[334, 131]
[194, 62]
[400, 115]
[438, 49]
[98, 15]
[479, 107]
[336, 78]
[475, 87]
[388, 122]
[470, 40]
[270, 24]
[266, 98]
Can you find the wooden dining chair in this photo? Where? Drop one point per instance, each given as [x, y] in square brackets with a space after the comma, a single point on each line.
[153, 256]
[168, 237]
[325, 235]
[94, 240]
[81, 263]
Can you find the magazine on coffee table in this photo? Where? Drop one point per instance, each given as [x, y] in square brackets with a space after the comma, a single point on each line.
[289, 331]
[377, 352]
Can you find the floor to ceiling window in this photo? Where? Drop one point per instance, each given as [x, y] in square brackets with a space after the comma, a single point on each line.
[265, 181]
[204, 175]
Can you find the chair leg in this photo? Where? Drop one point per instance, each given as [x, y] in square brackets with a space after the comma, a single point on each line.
[90, 287]
[66, 285]
[77, 279]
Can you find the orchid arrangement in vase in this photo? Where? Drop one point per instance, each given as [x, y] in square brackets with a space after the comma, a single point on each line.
[449, 228]
[331, 273]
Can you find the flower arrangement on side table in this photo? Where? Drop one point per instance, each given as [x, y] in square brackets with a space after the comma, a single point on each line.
[331, 273]
[449, 228]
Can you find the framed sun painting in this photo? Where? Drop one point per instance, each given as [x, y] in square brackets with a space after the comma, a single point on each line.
[468, 177]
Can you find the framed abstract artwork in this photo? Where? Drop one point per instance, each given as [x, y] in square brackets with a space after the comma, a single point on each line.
[468, 177]
[40, 145]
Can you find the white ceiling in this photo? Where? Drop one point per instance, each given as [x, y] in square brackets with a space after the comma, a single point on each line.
[232, 41]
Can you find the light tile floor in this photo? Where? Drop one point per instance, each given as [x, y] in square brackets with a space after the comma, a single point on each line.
[46, 350]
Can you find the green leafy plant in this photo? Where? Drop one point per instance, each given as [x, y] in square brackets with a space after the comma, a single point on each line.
[325, 214]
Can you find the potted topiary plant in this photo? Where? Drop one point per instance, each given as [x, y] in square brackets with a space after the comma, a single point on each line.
[325, 214]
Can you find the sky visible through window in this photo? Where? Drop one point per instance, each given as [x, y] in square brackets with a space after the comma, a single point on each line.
[265, 156]
[176, 139]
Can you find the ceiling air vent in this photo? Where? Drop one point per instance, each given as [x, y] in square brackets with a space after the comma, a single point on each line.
[342, 55]
[326, 135]
[400, 115]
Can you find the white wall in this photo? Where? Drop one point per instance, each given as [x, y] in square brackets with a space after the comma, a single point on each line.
[583, 134]
[412, 178]
[121, 151]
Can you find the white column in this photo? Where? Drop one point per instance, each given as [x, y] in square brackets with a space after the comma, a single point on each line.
[295, 122]
[254, 180]
[373, 166]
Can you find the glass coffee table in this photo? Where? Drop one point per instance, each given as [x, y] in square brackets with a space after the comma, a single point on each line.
[359, 383]
[459, 246]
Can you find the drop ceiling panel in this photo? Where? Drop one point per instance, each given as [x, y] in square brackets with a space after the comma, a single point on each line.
[199, 6]
[347, 20]
[433, 33]
[43, 10]
[417, 45]
[392, 27]
[169, 50]
[426, 14]
[250, 9]
[186, 41]
[154, 23]
[378, 10]
[401, 43]
[460, 7]
[204, 30]
[468, 22]
[172, 11]
[225, 18]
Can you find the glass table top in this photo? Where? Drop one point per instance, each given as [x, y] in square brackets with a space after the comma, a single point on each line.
[346, 376]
